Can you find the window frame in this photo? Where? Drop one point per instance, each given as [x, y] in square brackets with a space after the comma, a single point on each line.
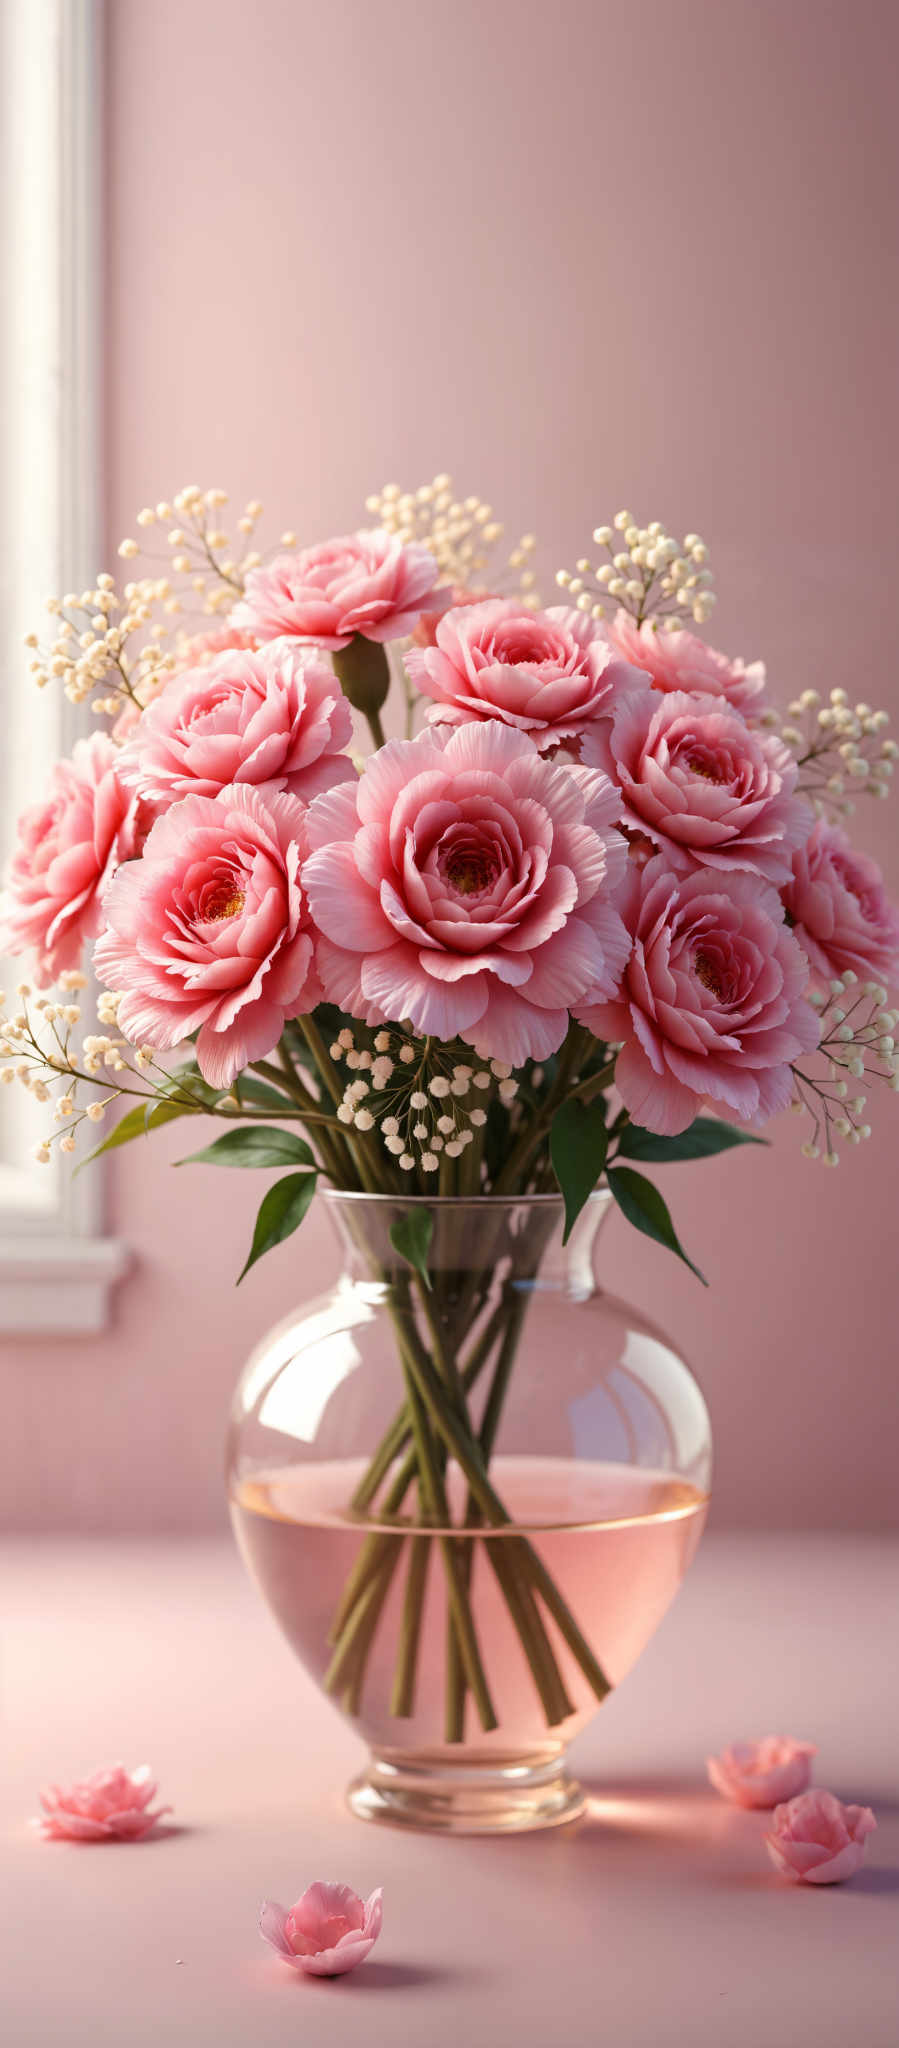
[57, 1266]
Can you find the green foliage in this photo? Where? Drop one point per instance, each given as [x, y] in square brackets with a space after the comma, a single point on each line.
[578, 1144]
[144, 1117]
[644, 1207]
[254, 1145]
[411, 1236]
[704, 1137]
[256, 1094]
[281, 1213]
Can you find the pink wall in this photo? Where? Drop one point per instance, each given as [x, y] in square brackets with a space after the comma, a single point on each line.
[581, 256]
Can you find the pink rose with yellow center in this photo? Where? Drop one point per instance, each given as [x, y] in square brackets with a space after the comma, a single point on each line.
[467, 884]
[705, 789]
[548, 673]
[367, 583]
[711, 1006]
[68, 847]
[277, 716]
[679, 660]
[210, 933]
[841, 913]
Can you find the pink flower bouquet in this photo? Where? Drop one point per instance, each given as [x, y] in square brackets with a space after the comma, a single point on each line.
[592, 905]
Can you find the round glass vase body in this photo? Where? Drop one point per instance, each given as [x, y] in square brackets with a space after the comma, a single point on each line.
[468, 1483]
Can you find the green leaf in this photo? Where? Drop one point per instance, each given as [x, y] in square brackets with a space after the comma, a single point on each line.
[578, 1142]
[644, 1207]
[411, 1236]
[281, 1213]
[248, 1088]
[144, 1117]
[706, 1136]
[188, 1080]
[253, 1145]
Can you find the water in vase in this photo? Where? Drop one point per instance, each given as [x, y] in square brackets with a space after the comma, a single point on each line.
[616, 1540]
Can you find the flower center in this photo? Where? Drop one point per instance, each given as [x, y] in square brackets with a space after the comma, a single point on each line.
[700, 764]
[225, 901]
[708, 971]
[469, 866]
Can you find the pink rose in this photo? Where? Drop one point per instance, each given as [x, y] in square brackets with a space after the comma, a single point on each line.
[209, 931]
[425, 633]
[711, 1005]
[815, 1839]
[841, 912]
[219, 640]
[761, 1773]
[704, 788]
[200, 648]
[328, 1931]
[366, 583]
[466, 884]
[680, 661]
[544, 673]
[68, 846]
[113, 1803]
[277, 716]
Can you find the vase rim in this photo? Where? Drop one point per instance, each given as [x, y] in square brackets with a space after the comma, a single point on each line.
[458, 1201]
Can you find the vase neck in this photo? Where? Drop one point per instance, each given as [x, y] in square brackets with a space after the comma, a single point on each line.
[572, 1266]
[521, 1237]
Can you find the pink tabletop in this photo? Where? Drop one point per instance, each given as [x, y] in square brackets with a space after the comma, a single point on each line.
[657, 1917]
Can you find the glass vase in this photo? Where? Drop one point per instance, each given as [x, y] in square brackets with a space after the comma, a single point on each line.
[468, 1483]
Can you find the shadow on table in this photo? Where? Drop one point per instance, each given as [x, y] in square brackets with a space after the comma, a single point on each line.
[882, 1881]
[408, 1976]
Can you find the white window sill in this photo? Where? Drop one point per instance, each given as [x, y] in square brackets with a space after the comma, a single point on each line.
[59, 1285]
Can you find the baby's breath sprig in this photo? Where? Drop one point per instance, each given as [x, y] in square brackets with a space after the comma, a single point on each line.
[841, 749]
[213, 564]
[463, 536]
[39, 1049]
[857, 1044]
[646, 573]
[109, 648]
[427, 1100]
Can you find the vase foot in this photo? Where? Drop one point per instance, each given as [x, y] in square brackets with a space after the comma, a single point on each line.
[441, 1797]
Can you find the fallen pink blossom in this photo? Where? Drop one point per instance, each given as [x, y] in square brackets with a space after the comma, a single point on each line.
[328, 1931]
[815, 1839]
[762, 1773]
[112, 1804]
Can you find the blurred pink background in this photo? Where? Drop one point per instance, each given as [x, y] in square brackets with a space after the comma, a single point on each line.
[582, 257]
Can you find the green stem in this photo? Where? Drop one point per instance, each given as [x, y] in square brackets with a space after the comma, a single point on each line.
[532, 1138]
[341, 1669]
[435, 1504]
[400, 1429]
[519, 1598]
[402, 1702]
[469, 1457]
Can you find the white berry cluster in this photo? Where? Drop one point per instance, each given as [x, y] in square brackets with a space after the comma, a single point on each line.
[462, 534]
[422, 1099]
[842, 749]
[108, 647]
[214, 564]
[858, 1044]
[38, 1049]
[646, 572]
